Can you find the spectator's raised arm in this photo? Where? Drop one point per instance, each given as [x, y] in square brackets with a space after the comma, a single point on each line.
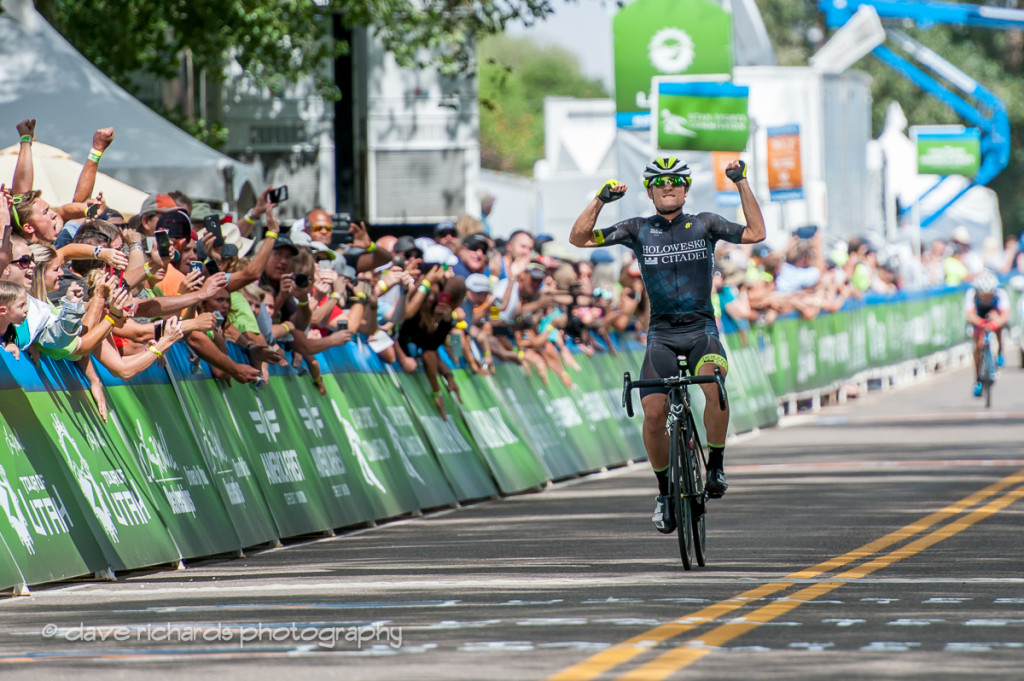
[101, 139]
[24, 173]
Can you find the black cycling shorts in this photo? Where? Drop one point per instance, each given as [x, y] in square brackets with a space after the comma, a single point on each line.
[666, 341]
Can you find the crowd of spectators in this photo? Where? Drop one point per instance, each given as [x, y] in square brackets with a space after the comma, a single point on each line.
[83, 280]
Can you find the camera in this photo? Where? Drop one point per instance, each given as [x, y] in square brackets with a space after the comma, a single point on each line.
[278, 194]
[301, 279]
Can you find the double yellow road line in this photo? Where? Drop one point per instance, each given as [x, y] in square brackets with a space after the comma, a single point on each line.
[692, 650]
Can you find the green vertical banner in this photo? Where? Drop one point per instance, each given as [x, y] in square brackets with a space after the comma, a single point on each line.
[210, 425]
[610, 372]
[665, 38]
[547, 437]
[602, 409]
[700, 116]
[457, 454]
[579, 432]
[10, 575]
[154, 428]
[509, 457]
[124, 514]
[40, 531]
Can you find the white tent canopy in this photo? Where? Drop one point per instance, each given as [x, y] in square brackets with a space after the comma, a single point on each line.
[56, 174]
[43, 77]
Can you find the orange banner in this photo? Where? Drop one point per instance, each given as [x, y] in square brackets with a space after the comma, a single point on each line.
[785, 178]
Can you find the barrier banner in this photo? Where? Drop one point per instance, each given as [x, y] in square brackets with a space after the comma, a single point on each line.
[10, 575]
[40, 529]
[545, 435]
[106, 487]
[155, 429]
[283, 468]
[609, 374]
[510, 459]
[601, 412]
[579, 432]
[799, 354]
[457, 454]
[203, 402]
[350, 393]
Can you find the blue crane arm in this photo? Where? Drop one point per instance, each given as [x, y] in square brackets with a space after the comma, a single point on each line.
[990, 113]
[926, 13]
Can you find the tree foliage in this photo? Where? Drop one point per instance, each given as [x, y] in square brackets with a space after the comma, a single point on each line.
[276, 41]
[515, 75]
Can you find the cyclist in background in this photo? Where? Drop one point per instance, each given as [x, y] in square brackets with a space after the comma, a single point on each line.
[675, 251]
[987, 307]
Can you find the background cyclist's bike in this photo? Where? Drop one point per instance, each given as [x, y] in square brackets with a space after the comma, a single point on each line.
[987, 367]
[687, 460]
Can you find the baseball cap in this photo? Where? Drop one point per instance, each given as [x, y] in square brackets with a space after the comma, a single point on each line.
[403, 244]
[157, 202]
[200, 211]
[475, 241]
[600, 255]
[446, 226]
[322, 251]
[478, 283]
[285, 242]
[961, 235]
[177, 223]
[760, 250]
[537, 271]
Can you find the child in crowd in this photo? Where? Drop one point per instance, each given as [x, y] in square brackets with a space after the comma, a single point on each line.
[13, 311]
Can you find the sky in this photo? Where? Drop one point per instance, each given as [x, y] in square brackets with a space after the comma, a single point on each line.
[584, 28]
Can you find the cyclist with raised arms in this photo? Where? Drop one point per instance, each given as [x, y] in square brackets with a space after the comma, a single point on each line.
[676, 255]
[987, 307]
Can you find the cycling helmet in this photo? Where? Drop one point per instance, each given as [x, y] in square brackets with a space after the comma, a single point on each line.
[986, 283]
[666, 165]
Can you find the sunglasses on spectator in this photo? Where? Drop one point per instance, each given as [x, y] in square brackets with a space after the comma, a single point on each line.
[412, 254]
[668, 181]
[447, 232]
[321, 228]
[24, 262]
[478, 247]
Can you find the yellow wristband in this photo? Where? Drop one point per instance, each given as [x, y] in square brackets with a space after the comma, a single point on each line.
[372, 247]
[304, 303]
[521, 354]
[95, 154]
[249, 220]
[269, 235]
[382, 286]
[287, 326]
[336, 295]
[152, 348]
[426, 284]
[113, 322]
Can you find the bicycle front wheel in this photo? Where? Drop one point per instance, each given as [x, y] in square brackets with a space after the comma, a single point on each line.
[698, 499]
[677, 469]
[987, 375]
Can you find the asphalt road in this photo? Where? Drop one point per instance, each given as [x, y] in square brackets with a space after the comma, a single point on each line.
[879, 539]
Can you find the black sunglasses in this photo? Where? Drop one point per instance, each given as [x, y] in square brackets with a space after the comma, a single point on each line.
[413, 254]
[24, 262]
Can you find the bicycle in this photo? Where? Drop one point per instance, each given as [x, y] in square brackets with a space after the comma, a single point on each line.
[987, 368]
[687, 460]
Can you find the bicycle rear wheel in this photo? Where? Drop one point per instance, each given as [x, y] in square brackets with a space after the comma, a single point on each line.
[698, 499]
[677, 493]
[987, 375]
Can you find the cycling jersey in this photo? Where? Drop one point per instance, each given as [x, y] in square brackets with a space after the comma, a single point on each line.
[676, 260]
[974, 303]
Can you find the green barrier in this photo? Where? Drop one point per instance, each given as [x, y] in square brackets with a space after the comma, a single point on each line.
[546, 436]
[40, 532]
[391, 423]
[123, 512]
[457, 454]
[608, 375]
[580, 432]
[508, 456]
[602, 413]
[220, 444]
[10, 575]
[799, 355]
[153, 425]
